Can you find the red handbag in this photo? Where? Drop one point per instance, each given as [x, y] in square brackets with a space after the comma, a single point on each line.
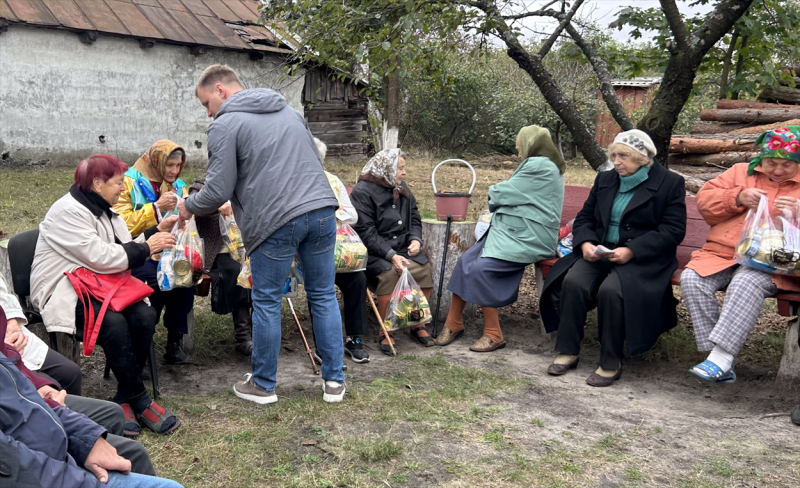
[115, 291]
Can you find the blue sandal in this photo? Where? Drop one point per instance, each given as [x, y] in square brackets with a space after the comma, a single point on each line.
[709, 371]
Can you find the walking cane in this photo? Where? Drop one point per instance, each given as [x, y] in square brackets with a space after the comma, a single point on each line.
[380, 321]
[305, 342]
[441, 274]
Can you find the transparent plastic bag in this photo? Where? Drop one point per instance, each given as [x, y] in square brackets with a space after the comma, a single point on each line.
[483, 224]
[350, 254]
[290, 287]
[232, 237]
[245, 278]
[565, 239]
[181, 265]
[767, 244]
[408, 306]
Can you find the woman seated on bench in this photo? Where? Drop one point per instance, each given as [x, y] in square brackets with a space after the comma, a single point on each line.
[81, 230]
[637, 212]
[153, 187]
[524, 230]
[390, 226]
[723, 202]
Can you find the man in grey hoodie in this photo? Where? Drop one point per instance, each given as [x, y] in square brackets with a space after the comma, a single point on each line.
[262, 158]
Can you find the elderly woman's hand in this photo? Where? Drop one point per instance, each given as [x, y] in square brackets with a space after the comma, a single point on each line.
[167, 224]
[15, 337]
[750, 197]
[787, 203]
[588, 252]
[413, 248]
[167, 201]
[399, 263]
[160, 241]
[621, 255]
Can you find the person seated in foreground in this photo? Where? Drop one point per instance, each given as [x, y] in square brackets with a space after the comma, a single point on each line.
[638, 213]
[81, 230]
[152, 190]
[36, 355]
[524, 230]
[724, 202]
[390, 226]
[54, 442]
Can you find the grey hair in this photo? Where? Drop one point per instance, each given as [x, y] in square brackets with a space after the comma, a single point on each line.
[177, 152]
[321, 148]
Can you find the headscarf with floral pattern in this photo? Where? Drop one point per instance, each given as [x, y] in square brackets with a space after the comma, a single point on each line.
[783, 143]
[153, 162]
[382, 170]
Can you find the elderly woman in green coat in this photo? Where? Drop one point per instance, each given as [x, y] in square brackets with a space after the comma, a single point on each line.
[524, 230]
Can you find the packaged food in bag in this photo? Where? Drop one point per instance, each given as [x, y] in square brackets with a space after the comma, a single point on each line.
[290, 287]
[245, 279]
[232, 237]
[408, 306]
[767, 244]
[181, 265]
[350, 254]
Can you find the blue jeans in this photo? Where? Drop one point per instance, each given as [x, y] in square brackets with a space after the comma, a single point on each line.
[313, 237]
[133, 480]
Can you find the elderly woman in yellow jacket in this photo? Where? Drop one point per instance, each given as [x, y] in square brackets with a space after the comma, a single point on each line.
[152, 192]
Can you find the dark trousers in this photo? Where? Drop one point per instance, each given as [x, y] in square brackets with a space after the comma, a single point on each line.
[176, 303]
[111, 417]
[63, 371]
[126, 338]
[586, 286]
[354, 295]
[227, 296]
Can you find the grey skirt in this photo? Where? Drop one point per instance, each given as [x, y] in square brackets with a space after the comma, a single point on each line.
[488, 282]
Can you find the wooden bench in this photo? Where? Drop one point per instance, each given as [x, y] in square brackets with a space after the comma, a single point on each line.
[696, 231]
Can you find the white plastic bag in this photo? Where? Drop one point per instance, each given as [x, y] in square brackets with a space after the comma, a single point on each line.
[767, 244]
[181, 265]
[408, 306]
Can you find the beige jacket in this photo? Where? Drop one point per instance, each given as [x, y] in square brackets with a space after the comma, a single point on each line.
[70, 237]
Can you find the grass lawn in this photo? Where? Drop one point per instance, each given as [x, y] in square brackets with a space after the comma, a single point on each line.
[452, 418]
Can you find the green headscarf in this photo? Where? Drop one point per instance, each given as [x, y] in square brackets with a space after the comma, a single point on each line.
[536, 141]
[783, 143]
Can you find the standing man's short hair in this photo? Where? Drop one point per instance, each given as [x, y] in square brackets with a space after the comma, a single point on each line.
[217, 73]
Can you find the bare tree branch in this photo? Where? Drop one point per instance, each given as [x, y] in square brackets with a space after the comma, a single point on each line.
[675, 22]
[557, 32]
[604, 77]
[718, 24]
[536, 13]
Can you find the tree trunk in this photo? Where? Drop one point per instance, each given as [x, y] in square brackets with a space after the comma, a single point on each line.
[782, 94]
[391, 110]
[462, 237]
[767, 115]
[726, 159]
[691, 183]
[758, 129]
[735, 104]
[795, 80]
[699, 128]
[708, 146]
[726, 65]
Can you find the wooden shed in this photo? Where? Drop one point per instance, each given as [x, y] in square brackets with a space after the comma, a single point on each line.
[336, 111]
[634, 94]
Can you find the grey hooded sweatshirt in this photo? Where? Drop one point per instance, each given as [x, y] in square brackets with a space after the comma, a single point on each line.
[261, 157]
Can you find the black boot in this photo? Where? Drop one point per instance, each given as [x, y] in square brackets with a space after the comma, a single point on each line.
[243, 330]
[175, 354]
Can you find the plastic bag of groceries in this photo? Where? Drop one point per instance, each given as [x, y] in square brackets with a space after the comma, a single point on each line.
[768, 244]
[350, 254]
[290, 287]
[483, 224]
[245, 278]
[181, 265]
[408, 306]
[232, 237]
[565, 239]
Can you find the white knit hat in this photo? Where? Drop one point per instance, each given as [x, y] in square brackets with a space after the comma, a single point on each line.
[638, 141]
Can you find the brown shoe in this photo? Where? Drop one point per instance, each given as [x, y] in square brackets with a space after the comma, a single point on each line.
[446, 336]
[560, 369]
[484, 344]
[602, 381]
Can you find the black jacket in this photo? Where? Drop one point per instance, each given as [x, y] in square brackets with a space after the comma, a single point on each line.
[386, 227]
[652, 226]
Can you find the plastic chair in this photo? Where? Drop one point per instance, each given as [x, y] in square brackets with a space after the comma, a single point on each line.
[21, 251]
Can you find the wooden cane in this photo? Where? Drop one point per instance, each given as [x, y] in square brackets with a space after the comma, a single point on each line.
[380, 321]
[305, 342]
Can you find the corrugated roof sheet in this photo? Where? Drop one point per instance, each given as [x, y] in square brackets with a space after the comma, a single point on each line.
[230, 24]
[643, 81]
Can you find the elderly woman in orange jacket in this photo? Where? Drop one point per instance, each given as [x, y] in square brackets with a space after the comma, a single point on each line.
[723, 202]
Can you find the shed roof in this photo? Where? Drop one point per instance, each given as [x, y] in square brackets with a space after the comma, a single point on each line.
[641, 81]
[228, 24]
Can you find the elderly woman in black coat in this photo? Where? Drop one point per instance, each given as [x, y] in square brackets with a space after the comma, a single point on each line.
[390, 226]
[624, 242]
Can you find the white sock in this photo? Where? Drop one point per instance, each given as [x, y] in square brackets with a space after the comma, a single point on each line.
[721, 358]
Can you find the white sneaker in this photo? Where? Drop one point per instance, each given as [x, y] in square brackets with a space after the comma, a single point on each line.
[333, 391]
[248, 390]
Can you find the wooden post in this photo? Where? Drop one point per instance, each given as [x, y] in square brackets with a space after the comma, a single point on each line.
[790, 362]
[188, 338]
[462, 237]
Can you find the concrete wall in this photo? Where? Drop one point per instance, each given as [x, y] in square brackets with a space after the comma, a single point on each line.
[58, 95]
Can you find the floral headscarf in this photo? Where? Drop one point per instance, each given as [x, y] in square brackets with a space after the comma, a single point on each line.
[783, 143]
[382, 170]
[153, 162]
